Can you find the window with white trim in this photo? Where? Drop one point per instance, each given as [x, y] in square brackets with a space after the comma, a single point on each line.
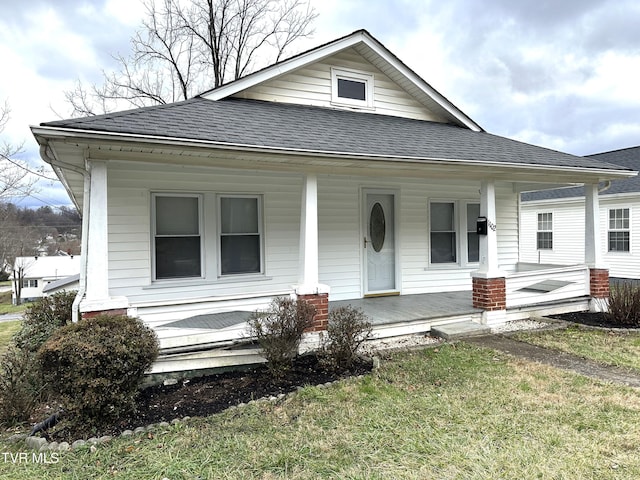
[453, 232]
[240, 222]
[618, 233]
[351, 88]
[29, 283]
[443, 232]
[473, 239]
[544, 233]
[177, 239]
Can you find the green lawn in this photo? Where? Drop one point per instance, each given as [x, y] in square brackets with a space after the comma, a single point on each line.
[456, 411]
[7, 330]
[7, 307]
[608, 347]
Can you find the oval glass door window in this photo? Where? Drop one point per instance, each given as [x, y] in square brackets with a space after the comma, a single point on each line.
[377, 228]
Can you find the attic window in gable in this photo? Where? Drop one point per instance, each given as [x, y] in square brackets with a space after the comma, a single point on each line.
[351, 89]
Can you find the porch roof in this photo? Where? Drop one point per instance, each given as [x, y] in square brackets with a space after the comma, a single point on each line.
[241, 123]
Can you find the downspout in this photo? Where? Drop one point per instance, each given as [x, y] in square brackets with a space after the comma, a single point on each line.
[605, 187]
[86, 208]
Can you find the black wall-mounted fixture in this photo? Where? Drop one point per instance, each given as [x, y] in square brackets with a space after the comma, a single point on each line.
[481, 226]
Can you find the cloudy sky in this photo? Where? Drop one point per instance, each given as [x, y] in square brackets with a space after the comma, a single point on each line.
[562, 74]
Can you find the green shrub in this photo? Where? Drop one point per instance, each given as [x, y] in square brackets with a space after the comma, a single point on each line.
[42, 318]
[20, 385]
[96, 365]
[279, 330]
[347, 329]
[624, 304]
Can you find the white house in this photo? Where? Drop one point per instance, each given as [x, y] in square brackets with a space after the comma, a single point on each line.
[338, 175]
[37, 273]
[552, 221]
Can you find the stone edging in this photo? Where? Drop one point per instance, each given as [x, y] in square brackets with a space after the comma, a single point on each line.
[41, 444]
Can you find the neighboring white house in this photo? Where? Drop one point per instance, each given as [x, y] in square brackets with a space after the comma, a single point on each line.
[553, 221]
[39, 272]
[336, 175]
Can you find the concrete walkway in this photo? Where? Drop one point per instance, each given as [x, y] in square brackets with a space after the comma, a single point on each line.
[554, 358]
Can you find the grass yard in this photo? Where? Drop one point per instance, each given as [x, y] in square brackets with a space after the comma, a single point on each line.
[7, 307]
[453, 412]
[7, 330]
[612, 348]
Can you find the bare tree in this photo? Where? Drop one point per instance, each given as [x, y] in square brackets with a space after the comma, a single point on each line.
[15, 178]
[184, 48]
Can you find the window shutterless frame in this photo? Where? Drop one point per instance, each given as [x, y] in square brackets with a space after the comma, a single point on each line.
[351, 88]
[176, 246]
[544, 231]
[240, 235]
[619, 230]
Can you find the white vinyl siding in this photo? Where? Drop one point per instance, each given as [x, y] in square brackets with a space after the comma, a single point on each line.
[312, 85]
[568, 234]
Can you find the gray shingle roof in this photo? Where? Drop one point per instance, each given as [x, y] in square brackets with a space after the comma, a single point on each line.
[627, 158]
[298, 127]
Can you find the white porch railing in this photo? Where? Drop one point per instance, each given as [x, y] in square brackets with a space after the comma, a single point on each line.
[533, 283]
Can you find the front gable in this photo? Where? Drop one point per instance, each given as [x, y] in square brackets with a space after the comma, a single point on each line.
[317, 84]
[310, 79]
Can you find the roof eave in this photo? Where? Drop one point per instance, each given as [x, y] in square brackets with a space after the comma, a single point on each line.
[61, 133]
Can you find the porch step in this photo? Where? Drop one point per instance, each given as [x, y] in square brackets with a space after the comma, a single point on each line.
[455, 331]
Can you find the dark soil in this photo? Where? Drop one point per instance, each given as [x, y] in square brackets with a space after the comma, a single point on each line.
[211, 394]
[593, 320]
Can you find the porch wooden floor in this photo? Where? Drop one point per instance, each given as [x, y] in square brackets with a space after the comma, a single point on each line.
[380, 310]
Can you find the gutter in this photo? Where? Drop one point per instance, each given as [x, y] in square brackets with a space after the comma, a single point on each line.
[86, 209]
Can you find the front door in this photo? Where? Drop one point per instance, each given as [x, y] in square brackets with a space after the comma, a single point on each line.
[379, 243]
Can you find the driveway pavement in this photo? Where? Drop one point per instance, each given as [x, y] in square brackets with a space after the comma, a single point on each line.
[10, 317]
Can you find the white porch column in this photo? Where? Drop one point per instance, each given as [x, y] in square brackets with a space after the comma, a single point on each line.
[308, 275]
[488, 267]
[309, 288]
[592, 250]
[97, 297]
[488, 282]
[97, 244]
[598, 272]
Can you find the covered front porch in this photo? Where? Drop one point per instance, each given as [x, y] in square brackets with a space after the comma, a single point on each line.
[220, 340]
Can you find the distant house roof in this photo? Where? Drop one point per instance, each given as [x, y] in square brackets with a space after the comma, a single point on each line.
[52, 267]
[626, 157]
[63, 282]
[253, 123]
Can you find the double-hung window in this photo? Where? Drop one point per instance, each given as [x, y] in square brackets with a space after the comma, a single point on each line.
[453, 236]
[443, 232]
[240, 234]
[177, 240]
[473, 239]
[544, 233]
[618, 234]
[29, 283]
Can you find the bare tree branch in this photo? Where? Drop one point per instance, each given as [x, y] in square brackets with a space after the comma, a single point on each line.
[183, 49]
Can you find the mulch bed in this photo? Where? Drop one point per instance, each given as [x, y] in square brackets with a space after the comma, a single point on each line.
[200, 397]
[592, 320]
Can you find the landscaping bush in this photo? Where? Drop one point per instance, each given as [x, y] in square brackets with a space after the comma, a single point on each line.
[279, 330]
[42, 318]
[347, 329]
[96, 365]
[624, 304]
[20, 385]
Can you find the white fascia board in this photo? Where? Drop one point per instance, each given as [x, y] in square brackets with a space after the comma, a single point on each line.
[88, 136]
[284, 67]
